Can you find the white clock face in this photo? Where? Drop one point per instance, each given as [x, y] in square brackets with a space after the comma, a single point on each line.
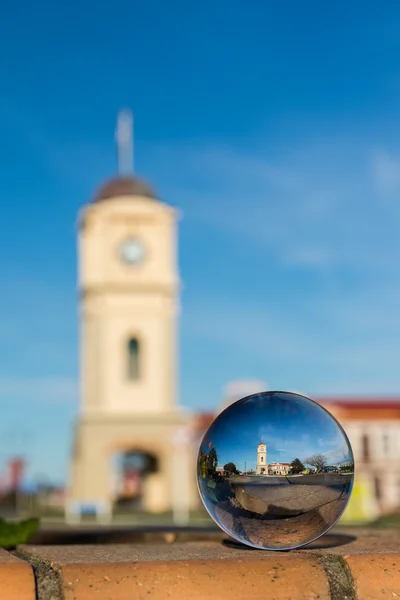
[132, 252]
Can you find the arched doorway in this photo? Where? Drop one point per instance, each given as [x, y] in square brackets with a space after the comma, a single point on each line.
[131, 469]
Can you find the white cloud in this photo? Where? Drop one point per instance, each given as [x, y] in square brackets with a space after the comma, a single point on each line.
[312, 207]
[235, 390]
[344, 348]
[386, 172]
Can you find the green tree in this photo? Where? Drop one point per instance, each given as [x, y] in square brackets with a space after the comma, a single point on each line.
[296, 466]
[212, 461]
[203, 464]
[231, 468]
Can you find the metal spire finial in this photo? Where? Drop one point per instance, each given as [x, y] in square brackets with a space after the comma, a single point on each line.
[124, 139]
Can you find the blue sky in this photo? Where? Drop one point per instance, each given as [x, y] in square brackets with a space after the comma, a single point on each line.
[273, 127]
[289, 425]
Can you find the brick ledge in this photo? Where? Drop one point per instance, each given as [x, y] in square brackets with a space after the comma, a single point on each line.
[362, 565]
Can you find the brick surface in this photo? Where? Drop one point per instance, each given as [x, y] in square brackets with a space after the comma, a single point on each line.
[126, 553]
[16, 578]
[217, 568]
[122, 573]
[375, 576]
[337, 541]
[357, 541]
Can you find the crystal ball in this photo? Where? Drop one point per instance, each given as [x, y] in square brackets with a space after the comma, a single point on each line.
[275, 470]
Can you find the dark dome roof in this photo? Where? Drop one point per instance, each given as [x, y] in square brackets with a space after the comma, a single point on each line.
[124, 186]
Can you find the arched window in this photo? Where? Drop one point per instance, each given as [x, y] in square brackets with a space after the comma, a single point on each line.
[365, 448]
[386, 444]
[133, 358]
[262, 459]
[378, 488]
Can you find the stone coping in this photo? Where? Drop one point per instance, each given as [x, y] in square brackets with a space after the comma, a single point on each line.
[345, 564]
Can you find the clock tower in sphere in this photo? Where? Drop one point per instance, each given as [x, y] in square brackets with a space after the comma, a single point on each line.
[262, 466]
[129, 302]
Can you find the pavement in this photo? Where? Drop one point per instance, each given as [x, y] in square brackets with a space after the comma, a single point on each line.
[277, 512]
[284, 496]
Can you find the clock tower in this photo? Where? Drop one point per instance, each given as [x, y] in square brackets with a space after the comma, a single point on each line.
[128, 280]
[262, 466]
[129, 302]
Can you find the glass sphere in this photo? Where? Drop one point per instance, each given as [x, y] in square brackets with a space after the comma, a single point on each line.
[275, 470]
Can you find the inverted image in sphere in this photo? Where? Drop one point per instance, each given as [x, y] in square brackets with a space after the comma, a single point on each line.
[275, 470]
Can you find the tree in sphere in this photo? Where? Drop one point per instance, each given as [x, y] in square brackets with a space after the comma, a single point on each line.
[296, 466]
[318, 461]
[212, 461]
[231, 468]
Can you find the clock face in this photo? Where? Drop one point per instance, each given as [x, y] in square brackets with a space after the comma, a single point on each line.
[132, 252]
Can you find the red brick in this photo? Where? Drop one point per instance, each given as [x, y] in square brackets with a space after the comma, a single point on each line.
[375, 576]
[201, 570]
[16, 578]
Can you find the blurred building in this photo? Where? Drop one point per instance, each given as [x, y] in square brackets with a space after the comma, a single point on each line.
[50, 497]
[373, 428]
[129, 303]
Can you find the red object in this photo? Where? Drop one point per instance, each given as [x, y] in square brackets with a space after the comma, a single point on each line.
[131, 482]
[361, 402]
[16, 469]
[350, 404]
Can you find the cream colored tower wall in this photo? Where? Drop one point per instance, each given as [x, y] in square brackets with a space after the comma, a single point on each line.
[100, 440]
[104, 225]
[121, 301]
[108, 322]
